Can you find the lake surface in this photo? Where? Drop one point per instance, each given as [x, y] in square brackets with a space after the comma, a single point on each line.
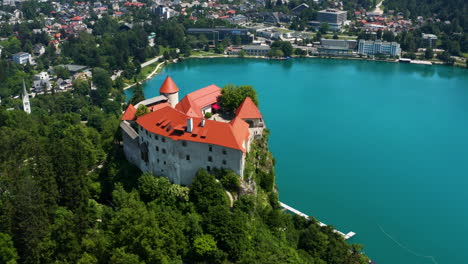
[377, 148]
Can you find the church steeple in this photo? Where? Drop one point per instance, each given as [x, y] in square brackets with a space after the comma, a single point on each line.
[26, 104]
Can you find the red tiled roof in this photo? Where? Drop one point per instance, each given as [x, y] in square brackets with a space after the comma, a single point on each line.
[129, 113]
[134, 4]
[248, 110]
[158, 106]
[170, 122]
[76, 18]
[193, 102]
[168, 86]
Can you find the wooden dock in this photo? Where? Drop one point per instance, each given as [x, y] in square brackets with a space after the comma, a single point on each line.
[294, 211]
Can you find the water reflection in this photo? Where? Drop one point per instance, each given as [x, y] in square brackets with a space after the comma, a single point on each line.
[231, 70]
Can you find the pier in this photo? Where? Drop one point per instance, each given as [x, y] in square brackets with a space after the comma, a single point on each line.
[294, 211]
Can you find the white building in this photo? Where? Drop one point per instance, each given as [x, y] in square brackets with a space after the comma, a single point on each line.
[175, 140]
[256, 50]
[369, 47]
[22, 58]
[41, 82]
[332, 16]
[430, 40]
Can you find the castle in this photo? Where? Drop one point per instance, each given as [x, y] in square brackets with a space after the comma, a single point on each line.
[175, 139]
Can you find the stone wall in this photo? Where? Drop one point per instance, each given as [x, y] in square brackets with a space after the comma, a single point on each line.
[179, 160]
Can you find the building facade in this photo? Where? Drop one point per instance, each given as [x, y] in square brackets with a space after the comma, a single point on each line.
[176, 141]
[256, 50]
[219, 34]
[429, 40]
[337, 47]
[22, 58]
[368, 47]
[332, 16]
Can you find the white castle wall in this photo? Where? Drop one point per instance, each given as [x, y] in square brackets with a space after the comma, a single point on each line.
[167, 157]
[172, 98]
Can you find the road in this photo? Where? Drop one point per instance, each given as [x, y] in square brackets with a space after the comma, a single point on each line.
[377, 8]
[144, 64]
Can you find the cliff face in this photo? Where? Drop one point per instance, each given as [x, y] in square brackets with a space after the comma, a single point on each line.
[259, 168]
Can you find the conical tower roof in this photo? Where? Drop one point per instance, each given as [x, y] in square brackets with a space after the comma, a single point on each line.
[168, 86]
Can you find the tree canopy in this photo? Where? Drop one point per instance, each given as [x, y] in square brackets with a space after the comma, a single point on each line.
[232, 96]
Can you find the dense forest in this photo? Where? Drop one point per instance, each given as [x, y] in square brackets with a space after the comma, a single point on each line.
[67, 195]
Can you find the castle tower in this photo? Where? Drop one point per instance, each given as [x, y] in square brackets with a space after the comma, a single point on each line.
[26, 104]
[170, 90]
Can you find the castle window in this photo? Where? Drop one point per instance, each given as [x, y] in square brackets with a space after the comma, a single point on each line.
[210, 148]
[210, 158]
[184, 143]
[164, 162]
[163, 139]
[187, 157]
[164, 151]
[208, 168]
[157, 160]
[156, 137]
[157, 148]
[224, 152]
[224, 162]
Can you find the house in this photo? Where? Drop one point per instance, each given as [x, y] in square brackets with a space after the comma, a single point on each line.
[175, 140]
[256, 50]
[298, 9]
[38, 49]
[41, 82]
[22, 58]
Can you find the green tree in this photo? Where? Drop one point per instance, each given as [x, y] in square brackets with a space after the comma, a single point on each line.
[62, 72]
[324, 27]
[8, 253]
[206, 192]
[142, 110]
[230, 181]
[103, 82]
[81, 87]
[284, 46]
[119, 256]
[138, 94]
[232, 96]
[428, 54]
[205, 246]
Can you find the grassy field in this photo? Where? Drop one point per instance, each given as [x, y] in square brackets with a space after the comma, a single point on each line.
[143, 73]
[201, 53]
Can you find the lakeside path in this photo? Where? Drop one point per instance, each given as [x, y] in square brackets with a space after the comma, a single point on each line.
[378, 9]
[151, 75]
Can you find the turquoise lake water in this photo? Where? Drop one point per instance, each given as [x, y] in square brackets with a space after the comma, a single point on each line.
[377, 148]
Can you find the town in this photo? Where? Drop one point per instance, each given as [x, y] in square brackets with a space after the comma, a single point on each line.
[41, 38]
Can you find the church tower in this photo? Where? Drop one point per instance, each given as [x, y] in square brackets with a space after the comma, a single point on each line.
[170, 90]
[26, 104]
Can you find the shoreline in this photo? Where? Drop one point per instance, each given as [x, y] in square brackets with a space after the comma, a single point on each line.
[155, 71]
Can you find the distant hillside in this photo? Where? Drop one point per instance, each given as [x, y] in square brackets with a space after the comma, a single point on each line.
[455, 11]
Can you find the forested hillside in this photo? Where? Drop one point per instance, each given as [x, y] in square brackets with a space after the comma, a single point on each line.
[67, 195]
[455, 11]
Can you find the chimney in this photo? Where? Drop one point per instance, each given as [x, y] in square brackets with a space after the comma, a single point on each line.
[190, 125]
[202, 123]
